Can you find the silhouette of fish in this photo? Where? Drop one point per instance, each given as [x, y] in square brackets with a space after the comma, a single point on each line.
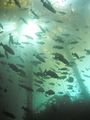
[7, 48]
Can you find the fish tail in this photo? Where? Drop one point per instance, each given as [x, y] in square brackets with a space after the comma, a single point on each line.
[1, 44]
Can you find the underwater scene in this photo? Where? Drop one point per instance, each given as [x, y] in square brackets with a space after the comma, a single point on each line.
[44, 59]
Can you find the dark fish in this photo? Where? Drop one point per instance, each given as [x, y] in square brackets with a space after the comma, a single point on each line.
[22, 73]
[66, 34]
[41, 74]
[58, 47]
[61, 12]
[48, 5]
[60, 92]
[16, 69]
[62, 77]
[11, 40]
[13, 67]
[37, 85]
[70, 87]
[39, 57]
[28, 88]
[29, 37]
[5, 90]
[7, 48]
[23, 19]
[65, 73]
[39, 81]
[36, 62]
[87, 51]
[87, 75]
[3, 63]
[1, 55]
[70, 79]
[39, 34]
[27, 43]
[8, 114]
[25, 109]
[52, 83]
[59, 21]
[40, 89]
[59, 39]
[1, 31]
[41, 42]
[20, 65]
[50, 92]
[60, 57]
[42, 29]
[17, 3]
[34, 14]
[75, 55]
[64, 68]
[74, 42]
[1, 26]
[51, 73]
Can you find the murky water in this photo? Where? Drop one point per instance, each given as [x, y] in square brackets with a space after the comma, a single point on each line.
[44, 55]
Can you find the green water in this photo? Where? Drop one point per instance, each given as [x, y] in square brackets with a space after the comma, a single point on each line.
[35, 36]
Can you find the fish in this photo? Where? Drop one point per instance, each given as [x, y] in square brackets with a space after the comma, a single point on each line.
[50, 92]
[52, 83]
[20, 65]
[88, 76]
[40, 89]
[9, 114]
[41, 42]
[29, 37]
[60, 57]
[1, 31]
[39, 57]
[74, 42]
[65, 73]
[35, 62]
[70, 79]
[59, 39]
[70, 87]
[28, 88]
[37, 85]
[1, 55]
[51, 73]
[17, 3]
[41, 74]
[75, 55]
[59, 21]
[34, 14]
[64, 68]
[3, 63]
[41, 29]
[39, 34]
[16, 69]
[13, 67]
[7, 49]
[87, 51]
[48, 5]
[58, 47]
[25, 109]
[23, 19]
[39, 81]
[11, 40]
[62, 77]
[1, 26]
[61, 12]
[66, 34]
[22, 73]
